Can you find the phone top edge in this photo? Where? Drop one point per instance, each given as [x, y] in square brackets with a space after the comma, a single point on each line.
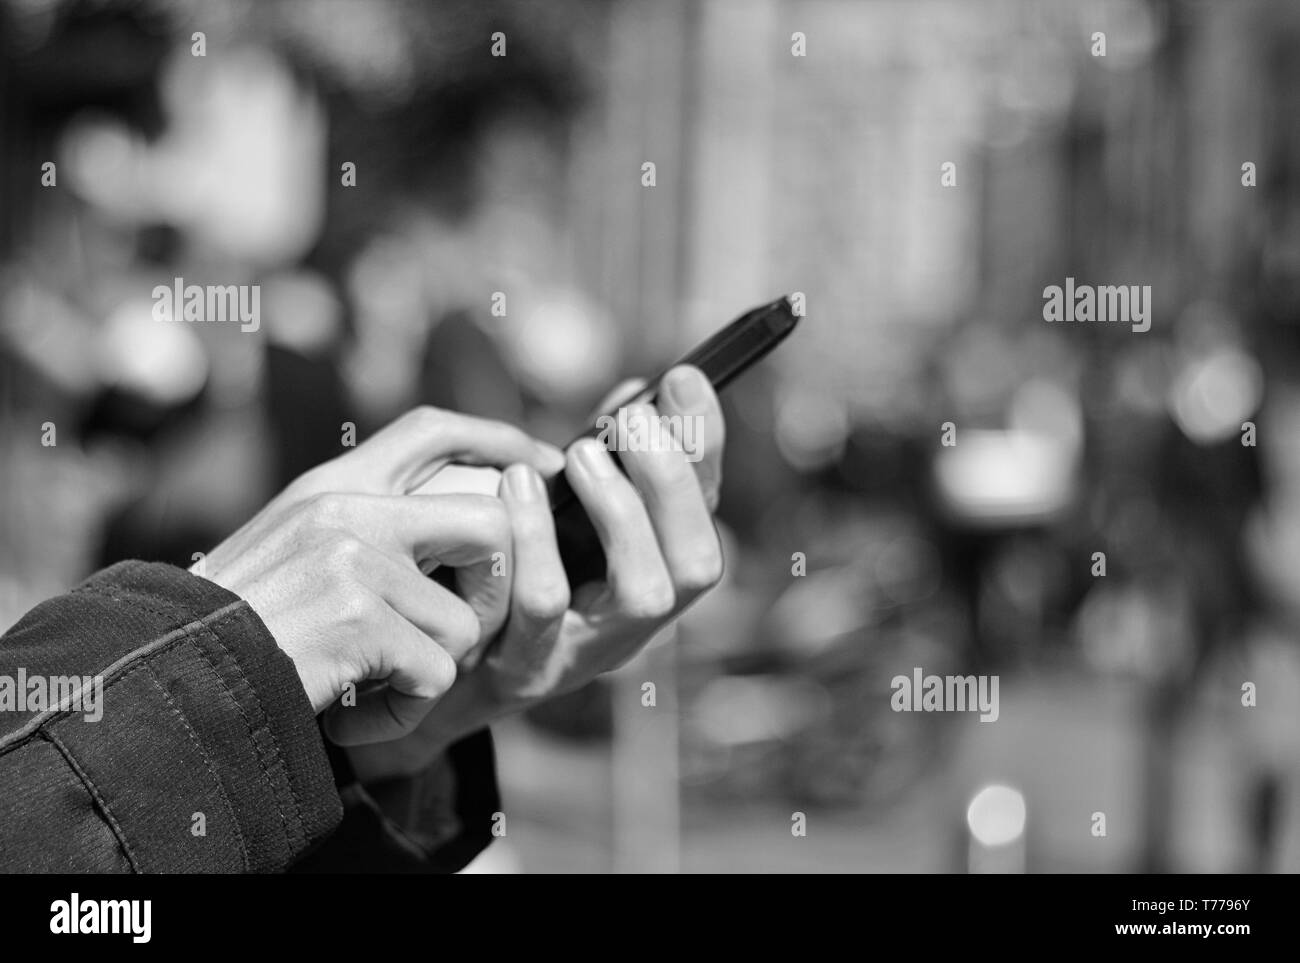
[722, 358]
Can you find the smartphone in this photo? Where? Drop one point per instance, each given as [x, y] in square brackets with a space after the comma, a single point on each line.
[723, 357]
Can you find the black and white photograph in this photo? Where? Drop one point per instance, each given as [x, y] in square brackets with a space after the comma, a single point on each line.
[689, 437]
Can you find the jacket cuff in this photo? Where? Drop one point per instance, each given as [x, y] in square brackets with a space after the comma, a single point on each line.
[207, 756]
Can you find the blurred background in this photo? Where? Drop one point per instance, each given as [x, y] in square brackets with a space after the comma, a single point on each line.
[521, 175]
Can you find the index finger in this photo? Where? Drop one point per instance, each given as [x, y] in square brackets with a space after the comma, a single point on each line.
[407, 453]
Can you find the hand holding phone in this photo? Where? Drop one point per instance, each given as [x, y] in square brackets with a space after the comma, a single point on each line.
[722, 358]
[664, 554]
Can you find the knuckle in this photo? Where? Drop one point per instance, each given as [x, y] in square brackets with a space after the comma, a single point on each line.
[701, 572]
[344, 554]
[463, 629]
[326, 509]
[355, 610]
[546, 601]
[650, 604]
[441, 674]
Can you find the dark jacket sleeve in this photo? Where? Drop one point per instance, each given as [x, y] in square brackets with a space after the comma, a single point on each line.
[201, 754]
[150, 723]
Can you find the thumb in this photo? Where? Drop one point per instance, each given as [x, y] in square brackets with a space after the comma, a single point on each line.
[419, 672]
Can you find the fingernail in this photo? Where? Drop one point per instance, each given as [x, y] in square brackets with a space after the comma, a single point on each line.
[684, 387]
[552, 458]
[524, 484]
[594, 458]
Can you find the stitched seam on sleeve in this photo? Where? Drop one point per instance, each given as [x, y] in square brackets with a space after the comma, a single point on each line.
[115, 671]
[122, 667]
[221, 790]
[95, 794]
[258, 747]
[294, 837]
[300, 837]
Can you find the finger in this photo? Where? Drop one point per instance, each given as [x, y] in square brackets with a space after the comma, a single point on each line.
[540, 592]
[416, 671]
[674, 501]
[686, 393]
[470, 533]
[434, 530]
[639, 584]
[411, 450]
[485, 588]
[450, 621]
[485, 585]
[619, 395]
[461, 479]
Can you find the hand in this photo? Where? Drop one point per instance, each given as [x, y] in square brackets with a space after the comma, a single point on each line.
[662, 553]
[339, 579]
